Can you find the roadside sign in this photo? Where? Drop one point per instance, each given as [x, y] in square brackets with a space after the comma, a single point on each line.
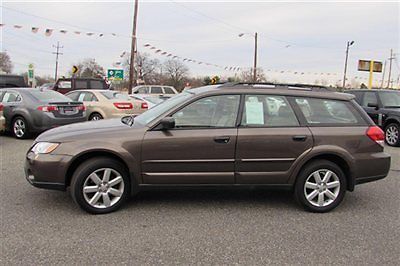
[30, 73]
[115, 74]
[74, 69]
[365, 65]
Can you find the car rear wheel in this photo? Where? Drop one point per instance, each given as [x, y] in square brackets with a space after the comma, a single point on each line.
[100, 185]
[20, 128]
[95, 117]
[321, 186]
[392, 132]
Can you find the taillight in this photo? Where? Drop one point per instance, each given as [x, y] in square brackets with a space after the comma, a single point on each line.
[1, 107]
[81, 107]
[123, 105]
[376, 134]
[144, 105]
[47, 108]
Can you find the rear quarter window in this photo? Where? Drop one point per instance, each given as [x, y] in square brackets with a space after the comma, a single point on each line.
[329, 112]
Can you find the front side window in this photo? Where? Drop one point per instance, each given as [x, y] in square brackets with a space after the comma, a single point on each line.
[390, 99]
[321, 111]
[64, 85]
[73, 95]
[209, 112]
[369, 98]
[268, 111]
[143, 90]
[168, 90]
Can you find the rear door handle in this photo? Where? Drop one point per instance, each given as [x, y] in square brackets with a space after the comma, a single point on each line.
[299, 138]
[222, 139]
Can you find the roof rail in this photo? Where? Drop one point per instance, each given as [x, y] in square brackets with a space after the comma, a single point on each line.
[293, 86]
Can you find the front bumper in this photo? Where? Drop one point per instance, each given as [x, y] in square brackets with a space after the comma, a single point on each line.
[46, 170]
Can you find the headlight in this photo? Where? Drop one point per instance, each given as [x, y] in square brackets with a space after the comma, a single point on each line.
[44, 147]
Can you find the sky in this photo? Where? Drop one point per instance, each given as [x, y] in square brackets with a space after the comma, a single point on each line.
[293, 37]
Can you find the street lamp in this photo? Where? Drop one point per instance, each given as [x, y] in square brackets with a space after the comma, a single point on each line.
[255, 54]
[349, 43]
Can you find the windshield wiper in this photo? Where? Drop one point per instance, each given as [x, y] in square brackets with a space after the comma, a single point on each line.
[128, 120]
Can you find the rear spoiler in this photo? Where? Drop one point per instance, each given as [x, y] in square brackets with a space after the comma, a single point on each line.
[66, 103]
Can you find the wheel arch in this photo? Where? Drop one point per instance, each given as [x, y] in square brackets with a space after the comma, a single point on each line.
[79, 159]
[390, 120]
[339, 160]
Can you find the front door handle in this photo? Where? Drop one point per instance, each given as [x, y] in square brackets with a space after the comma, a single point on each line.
[299, 138]
[222, 139]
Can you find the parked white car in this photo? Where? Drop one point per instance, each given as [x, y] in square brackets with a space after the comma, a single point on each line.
[151, 100]
[155, 89]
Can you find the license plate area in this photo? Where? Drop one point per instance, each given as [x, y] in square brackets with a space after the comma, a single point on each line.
[68, 110]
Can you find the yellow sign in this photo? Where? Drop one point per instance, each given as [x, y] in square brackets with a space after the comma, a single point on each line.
[74, 69]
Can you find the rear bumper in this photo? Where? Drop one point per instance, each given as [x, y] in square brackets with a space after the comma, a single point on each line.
[372, 167]
[47, 122]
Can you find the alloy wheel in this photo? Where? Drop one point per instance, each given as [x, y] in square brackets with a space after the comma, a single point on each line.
[103, 188]
[322, 188]
[96, 118]
[19, 128]
[392, 135]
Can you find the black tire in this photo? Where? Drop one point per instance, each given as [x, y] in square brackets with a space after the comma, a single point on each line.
[392, 134]
[306, 174]
[17, 122]
[95, 116]
[81, 175]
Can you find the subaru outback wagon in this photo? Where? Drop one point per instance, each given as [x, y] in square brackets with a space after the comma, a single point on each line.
[316, 143]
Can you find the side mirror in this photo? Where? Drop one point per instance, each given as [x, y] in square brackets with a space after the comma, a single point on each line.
[136, 92]
[375, 105]
[167, 123]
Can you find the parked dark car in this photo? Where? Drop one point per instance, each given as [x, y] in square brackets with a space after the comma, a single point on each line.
[12, 81]
[383, 106]
[28, 110]
[317, 143]
[66, 85]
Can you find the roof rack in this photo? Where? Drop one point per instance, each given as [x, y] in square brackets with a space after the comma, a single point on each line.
[270, 85]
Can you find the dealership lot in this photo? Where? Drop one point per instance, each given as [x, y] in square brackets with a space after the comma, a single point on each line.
[183, 227]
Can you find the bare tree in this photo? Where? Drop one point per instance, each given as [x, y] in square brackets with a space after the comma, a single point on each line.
[147, 69]
[5, 63]
[176, 73]
[247, 75]
[89, 68]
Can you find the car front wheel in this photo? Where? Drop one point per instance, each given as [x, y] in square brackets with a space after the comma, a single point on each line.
[392, 132]
[100, 185]
[321, 186]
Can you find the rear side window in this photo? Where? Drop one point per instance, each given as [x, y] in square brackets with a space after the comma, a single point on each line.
[11, 97]
[73, 96]
[330, 112]
[168, 90]
[143, 90]
[156, 90]
[97, 85]
[369, 98]
[268, 111]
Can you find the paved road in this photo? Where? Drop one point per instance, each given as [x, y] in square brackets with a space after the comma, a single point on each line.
[202, 227]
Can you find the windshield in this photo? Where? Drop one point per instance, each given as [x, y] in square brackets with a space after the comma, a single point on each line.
[115, 95]
[390, 98]
[161, 108]
[49, 96]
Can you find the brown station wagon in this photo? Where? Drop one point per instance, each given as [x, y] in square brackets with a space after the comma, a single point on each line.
[317, 143]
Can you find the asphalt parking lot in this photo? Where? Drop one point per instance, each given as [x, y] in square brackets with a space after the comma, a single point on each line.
[196, 227]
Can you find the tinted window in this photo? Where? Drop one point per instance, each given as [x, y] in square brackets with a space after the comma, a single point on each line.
[156, 90]
[268, 110]
[11, 81]
[80, 84]
[369, 97]
[64, 84]
[390, 98]
[321, 111]
[214, 111]
[358, 95]
[168, 90]
[11, 97]
[49, 96]
[97, 84]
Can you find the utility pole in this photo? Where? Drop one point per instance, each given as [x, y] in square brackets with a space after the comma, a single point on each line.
[345, 62]
[58, 47]
[390, 66]
[133, 49]
[255, 58]
[383, 75]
